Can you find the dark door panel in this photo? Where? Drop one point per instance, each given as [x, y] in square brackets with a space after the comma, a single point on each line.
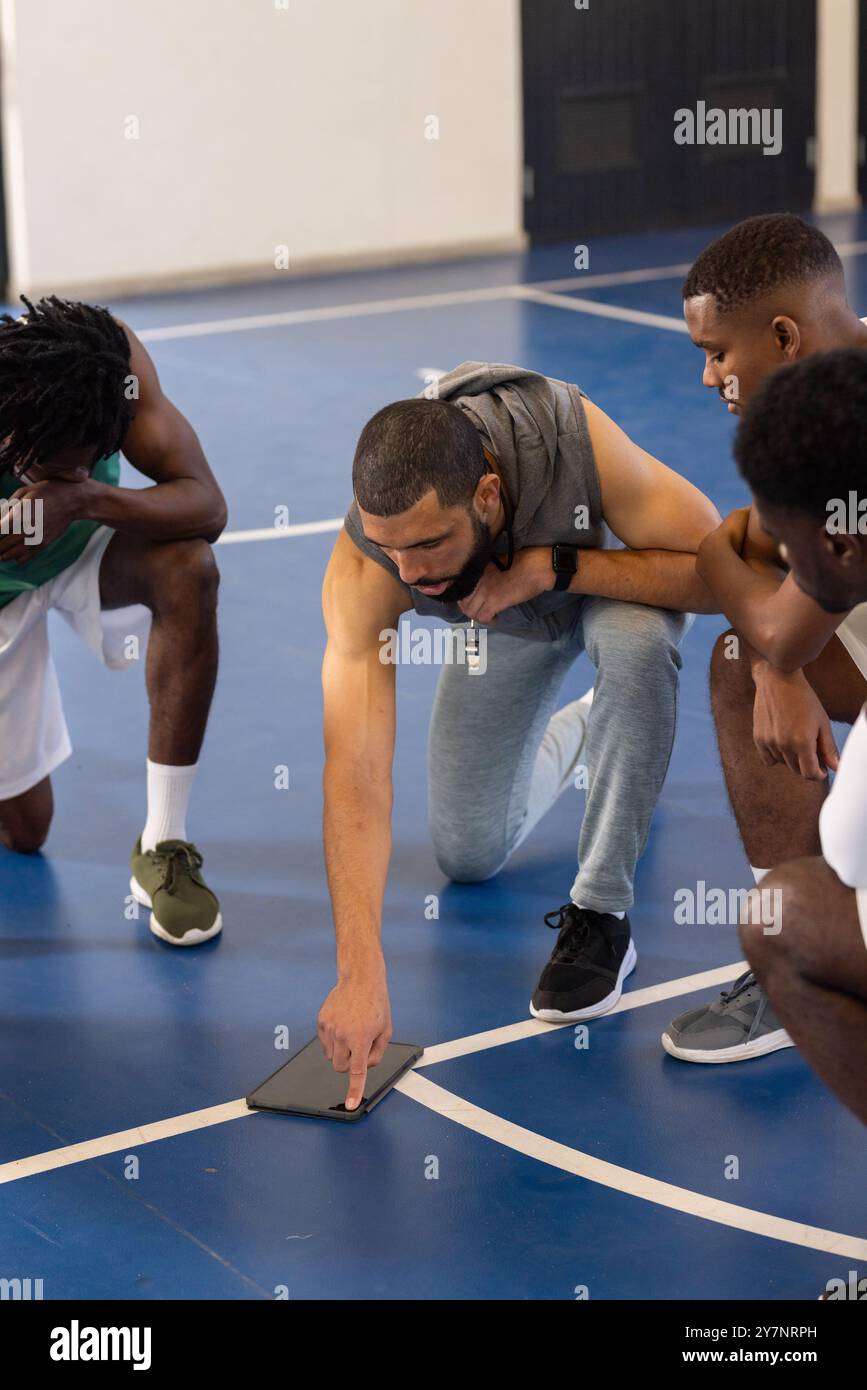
[601, 88]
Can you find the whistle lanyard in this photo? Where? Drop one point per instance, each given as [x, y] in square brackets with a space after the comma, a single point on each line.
[510, 517]
[472, 630]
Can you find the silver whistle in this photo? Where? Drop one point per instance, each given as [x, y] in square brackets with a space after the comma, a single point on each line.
[473, 646]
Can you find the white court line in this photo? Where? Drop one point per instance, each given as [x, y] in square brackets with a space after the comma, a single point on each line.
[602, 311]
[416, 1086]
[234, 1109]
[329, 311]
[617, 277]
[446, 299]
[406, 303]
[123, 1139]
[530, 1027]
[539, 291]
[664, 1194]
[650, 273]
[274, 533]
[501, 1131]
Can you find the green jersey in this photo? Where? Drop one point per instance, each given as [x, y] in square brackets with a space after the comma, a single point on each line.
[50, 560]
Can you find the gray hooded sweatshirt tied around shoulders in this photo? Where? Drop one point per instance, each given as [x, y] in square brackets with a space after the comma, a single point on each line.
[536, 428]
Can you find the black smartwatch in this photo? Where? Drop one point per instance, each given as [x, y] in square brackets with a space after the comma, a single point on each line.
[564, 558]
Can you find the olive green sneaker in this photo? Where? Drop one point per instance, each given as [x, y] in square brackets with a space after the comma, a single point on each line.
[184, 911]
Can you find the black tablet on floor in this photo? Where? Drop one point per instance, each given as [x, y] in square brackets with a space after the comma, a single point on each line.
[308, 1084]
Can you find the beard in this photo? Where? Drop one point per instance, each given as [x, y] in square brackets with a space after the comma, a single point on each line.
[465, 581]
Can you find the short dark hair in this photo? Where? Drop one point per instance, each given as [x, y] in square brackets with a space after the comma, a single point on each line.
[411, 446]
[63, 368]
[758, 256]
[801, 439]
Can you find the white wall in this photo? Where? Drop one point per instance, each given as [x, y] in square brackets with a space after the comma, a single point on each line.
[259, 126]
[836, 106]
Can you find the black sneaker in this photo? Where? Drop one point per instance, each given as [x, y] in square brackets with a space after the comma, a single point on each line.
[584, 977]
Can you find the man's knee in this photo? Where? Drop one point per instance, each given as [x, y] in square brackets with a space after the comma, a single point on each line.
[25, 820]
[771, 925]
[184, 574]
[464, 862]
[635, 642]
[24, 837]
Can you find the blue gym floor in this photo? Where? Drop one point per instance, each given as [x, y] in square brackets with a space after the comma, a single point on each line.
[104, 1029]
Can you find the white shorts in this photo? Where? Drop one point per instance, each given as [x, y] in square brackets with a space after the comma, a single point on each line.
[861, 903]
[853, 635]
[33, 735]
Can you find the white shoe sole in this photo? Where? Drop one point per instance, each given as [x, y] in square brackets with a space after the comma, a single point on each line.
[192, 938]
[630, 960]
[760, 1047]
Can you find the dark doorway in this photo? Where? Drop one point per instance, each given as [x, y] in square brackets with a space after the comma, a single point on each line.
[601, 88]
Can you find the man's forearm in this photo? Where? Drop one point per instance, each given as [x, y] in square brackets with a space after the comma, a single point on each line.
[757, 603]
[179, 510]
[760, 668]
[357, 838]
[765, 605]
[660, 578]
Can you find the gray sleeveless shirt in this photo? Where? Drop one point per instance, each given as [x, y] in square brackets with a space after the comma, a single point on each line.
[536, 429]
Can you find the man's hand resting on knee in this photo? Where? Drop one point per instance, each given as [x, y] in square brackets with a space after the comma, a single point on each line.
[790, 724]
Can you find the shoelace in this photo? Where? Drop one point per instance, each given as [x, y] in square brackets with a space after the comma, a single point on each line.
[745, 981]
[574, 928]
[181, 858]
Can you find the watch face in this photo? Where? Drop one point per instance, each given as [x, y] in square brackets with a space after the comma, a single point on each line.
[565, 560]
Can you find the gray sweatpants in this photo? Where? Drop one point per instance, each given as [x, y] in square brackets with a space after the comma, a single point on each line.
[500, 753]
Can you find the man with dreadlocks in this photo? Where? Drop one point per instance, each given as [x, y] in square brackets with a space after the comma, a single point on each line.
[76, 387]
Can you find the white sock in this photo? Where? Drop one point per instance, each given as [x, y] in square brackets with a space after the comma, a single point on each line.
[168, 797]
[758, 874]
[619, 915]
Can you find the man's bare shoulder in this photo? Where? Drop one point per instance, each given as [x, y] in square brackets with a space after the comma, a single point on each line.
[359, 597]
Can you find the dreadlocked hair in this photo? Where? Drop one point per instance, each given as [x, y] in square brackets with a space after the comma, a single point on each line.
[63, 370]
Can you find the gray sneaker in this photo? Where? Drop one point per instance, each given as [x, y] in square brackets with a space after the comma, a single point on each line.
[740, 1025]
